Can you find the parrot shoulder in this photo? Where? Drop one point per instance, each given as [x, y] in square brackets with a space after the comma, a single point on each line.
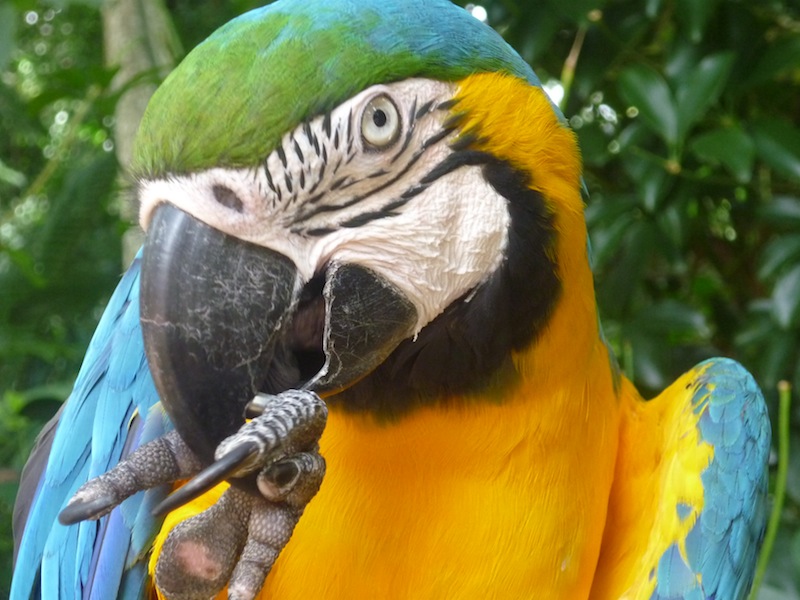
[688, 506]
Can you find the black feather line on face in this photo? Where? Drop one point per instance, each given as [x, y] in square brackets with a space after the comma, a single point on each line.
[458, 159]
[448, 165]
[298, 151]
[270, 183]
[423, 110]
[468, 347]
[326, 124]
[281, 154]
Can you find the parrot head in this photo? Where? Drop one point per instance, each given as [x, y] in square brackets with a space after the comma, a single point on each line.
[352, 198]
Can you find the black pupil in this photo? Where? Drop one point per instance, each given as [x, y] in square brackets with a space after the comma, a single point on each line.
[379, 118]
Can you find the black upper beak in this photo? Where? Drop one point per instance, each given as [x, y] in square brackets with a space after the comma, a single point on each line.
[224, 319]
[210, 308]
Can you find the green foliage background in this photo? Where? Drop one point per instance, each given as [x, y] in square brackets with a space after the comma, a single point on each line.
[687, 112]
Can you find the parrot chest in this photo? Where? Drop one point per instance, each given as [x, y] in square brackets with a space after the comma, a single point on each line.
[451, 504]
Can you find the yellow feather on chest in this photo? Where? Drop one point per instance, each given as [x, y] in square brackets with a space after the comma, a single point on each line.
[446, 503]
[506, 500]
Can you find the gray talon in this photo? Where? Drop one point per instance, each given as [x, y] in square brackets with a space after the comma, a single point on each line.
[295, 480]
[161, 461]
[271, 526]
[211, 476]
[293, 421]
[272, 523]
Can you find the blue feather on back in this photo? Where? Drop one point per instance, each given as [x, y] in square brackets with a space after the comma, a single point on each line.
[112, 410]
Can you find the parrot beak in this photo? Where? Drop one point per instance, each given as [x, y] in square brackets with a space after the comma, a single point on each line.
[224, 319]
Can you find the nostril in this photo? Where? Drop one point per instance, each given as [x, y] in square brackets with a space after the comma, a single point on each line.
[228, 198]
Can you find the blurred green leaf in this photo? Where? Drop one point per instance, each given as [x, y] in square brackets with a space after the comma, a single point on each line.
[606, 240]
[671, 317]
[650, 179]
[646, 89]
[649, 363]
[695, 14]
[11, 176]
[776, 358]
[701, 89]
[786, 298]
[61, 4]
[793, 473]
[778, 144]
[594, 146]
[652, 7]
[779, 253]
[781, 58]
[8, 32]
[730, 147]
[672, 223]
[782, 210]
[576, 10]
[759, 325]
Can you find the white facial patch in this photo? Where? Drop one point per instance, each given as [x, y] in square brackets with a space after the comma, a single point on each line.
[411, 210]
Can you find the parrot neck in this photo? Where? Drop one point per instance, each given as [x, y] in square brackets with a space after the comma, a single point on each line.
[516, 123]
[514, 479]
[572, 338]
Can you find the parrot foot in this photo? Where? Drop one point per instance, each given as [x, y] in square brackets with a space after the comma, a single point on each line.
[237, 540]
[281, 426]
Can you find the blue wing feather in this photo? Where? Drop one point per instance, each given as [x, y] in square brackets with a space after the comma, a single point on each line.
[722, 546]
[112, 410]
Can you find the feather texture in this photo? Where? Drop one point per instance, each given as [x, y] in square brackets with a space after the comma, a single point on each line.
[112, 410]
[688, 507]
[274, 54]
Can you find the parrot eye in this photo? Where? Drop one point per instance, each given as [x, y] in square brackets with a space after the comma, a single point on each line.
[380, 122]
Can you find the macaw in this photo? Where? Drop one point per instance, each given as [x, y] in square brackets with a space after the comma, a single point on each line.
[363, 327]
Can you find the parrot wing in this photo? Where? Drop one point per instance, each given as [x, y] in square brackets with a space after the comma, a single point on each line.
[688, 507]
[112, 410]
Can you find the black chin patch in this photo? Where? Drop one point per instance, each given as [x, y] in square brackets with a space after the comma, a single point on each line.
[468, 347]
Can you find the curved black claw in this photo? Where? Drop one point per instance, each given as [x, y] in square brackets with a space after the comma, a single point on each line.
[283, 425]
[214, 474]
[291, 422]
[87, 508]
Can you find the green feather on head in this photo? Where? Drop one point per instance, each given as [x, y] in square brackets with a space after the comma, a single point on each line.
[233, 97]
